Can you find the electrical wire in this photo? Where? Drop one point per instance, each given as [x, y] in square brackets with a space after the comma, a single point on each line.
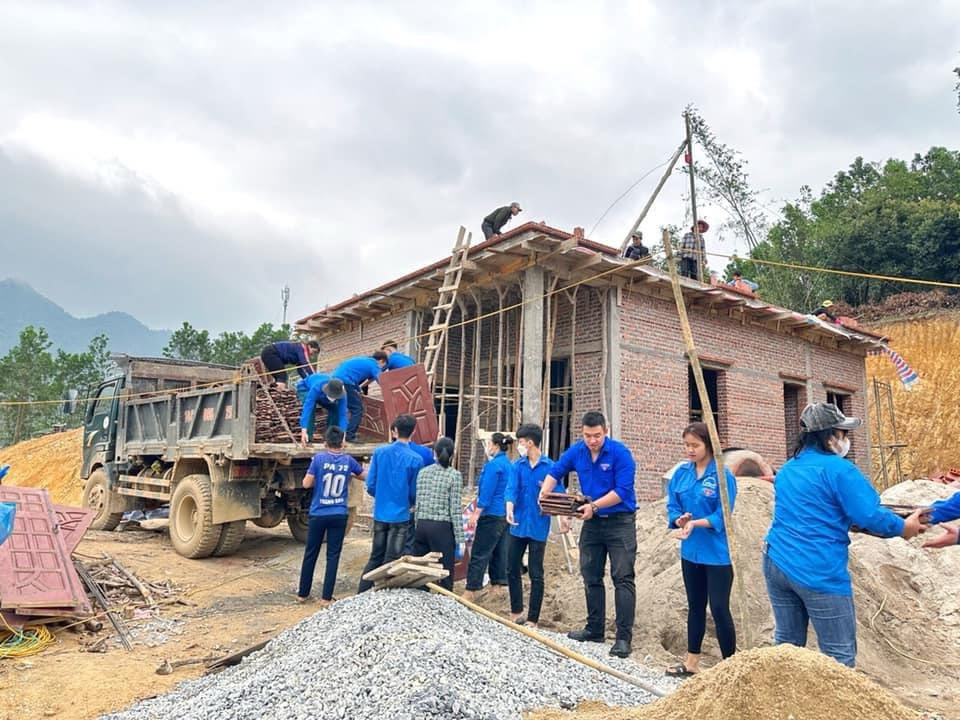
[627, 192]
[24, 643]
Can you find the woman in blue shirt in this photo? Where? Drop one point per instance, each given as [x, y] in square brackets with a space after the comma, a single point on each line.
[694, 507]
[490, 518]
[818, 496]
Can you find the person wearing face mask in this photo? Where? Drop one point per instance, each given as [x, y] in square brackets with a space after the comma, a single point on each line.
[489, 520]
[694, 507]
[327, 392]
[529, 527]
[818, 496]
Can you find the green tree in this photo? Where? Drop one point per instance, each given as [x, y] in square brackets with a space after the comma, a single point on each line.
[83, 372]
[27, 375]
[188, 343]
[227, 348]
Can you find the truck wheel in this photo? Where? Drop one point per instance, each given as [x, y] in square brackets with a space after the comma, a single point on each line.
[299, 524]
[231, 535]
[192, 531]
[98, 498]
[271, 517]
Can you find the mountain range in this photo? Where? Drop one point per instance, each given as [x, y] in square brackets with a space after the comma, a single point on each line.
[21, 305]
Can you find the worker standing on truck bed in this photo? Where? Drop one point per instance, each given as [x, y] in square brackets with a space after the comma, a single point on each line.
[329, 476]
[392, 482]
[327, 392]
[395, 358]
[353, 373]
[277, 356]
[494, 222]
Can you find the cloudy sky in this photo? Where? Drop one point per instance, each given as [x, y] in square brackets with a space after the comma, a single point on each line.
[183, 161]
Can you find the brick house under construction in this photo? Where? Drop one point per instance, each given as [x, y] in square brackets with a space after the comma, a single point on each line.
[565, 326]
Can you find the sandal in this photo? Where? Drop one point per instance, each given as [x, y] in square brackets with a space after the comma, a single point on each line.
[679, 670]
[302, 600]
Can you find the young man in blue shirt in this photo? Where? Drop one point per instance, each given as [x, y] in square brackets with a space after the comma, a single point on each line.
[392, 481]
[944, 511]
[327, 392]
[277, 356]
[605, 469]
[395, 358]
[353, 373]
[329, 476]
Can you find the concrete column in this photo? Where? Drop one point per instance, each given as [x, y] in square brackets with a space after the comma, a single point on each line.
[612, 360]
[533, 284]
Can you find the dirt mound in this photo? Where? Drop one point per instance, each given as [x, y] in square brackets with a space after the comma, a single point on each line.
[902, 305]
[51, 462]
[777, 682]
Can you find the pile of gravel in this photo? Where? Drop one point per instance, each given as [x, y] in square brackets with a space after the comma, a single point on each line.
[399, 654]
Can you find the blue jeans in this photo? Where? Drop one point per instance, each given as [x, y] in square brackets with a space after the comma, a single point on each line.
[795, 606]
[333, 526]
[354, 410]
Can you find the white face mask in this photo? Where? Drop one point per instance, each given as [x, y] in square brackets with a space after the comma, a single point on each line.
[842, 447]
[522, 450]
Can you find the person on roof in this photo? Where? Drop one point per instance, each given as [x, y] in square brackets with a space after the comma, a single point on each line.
[395, 358]
[494, 222]
[636, 250]
[353, 373]
[740, 283]
[824, 312]
[277, 356]
[327, 392]
[693, 252]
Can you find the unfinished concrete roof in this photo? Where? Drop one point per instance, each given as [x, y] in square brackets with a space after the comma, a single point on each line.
[574, 260]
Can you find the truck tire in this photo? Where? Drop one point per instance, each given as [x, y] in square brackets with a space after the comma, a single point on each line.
[192, 531]
[270, 517]
[299, 524]
[231, 535]
[98, 498]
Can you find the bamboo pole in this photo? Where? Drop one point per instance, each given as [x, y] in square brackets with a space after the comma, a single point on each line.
[475, 419]
[573, 352]
[693, 199]
[601, 298]
[552, 314]
[714, 435]
[656, 191]
[517, 400]
[500, 319]
[552, 644]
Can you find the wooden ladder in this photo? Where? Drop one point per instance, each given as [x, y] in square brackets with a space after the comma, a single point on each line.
[445, 303]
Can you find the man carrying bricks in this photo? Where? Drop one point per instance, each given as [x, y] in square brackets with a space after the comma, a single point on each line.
[605, 469]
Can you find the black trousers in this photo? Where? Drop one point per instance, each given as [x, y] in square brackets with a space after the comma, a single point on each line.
[535, 551]
[354, 410]
[388, 540]
[274, 365]
[334, 527]
[614, 536]
[489, 549]
[488, 231]
[437, 536]
[688, 268]
[713, 583]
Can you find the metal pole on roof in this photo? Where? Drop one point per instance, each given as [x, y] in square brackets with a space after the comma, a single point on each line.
[656, 191]
[693, 198]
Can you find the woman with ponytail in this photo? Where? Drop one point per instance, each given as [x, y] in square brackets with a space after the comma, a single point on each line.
[439, 515]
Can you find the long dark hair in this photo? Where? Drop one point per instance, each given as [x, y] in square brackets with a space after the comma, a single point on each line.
[443, 449]
[501, 441]
[700, 431]
[819, 439]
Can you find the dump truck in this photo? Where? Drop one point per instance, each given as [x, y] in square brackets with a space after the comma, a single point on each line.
[184, 434]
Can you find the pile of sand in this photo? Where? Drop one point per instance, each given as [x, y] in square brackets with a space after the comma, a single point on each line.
[51, 462]
[777, 682]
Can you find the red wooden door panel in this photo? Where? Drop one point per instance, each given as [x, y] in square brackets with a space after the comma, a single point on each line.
[406, 392]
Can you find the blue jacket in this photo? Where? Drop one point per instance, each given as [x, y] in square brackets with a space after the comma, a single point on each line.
[425, 453]
[523, 490]
[392, 481]
[492, 485]
[613, 470]
[357, 370]
[331, 472]
[398, 360]
[701, 498]
[818, 496]
[315, 396]
[294, 353]
[946, 510]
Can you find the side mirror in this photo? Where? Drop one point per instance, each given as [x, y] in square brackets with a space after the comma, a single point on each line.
[69, 402]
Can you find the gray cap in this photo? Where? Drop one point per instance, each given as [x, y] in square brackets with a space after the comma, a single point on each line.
[516, 205]
[824, 416]
[334, 389]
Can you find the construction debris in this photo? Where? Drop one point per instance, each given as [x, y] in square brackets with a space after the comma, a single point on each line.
[401, 654]
[408, 572]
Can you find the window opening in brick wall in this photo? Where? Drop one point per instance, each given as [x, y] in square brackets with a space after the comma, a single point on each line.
[844, 401]
[447, 420]
[794, 400]
[711, 378]
[561, 407]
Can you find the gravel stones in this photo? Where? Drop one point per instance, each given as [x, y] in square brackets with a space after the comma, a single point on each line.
[398, 654]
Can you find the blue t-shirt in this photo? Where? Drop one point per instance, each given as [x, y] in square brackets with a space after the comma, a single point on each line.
[700, 497]
[425, 453]
[817, 497]
[614, 470]
[294, 353]
[331, 472]
[523, 490]
[357, 370]
[398, 360]
[946, 510]
[492, 485]
[392, 481]
[315, 396]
